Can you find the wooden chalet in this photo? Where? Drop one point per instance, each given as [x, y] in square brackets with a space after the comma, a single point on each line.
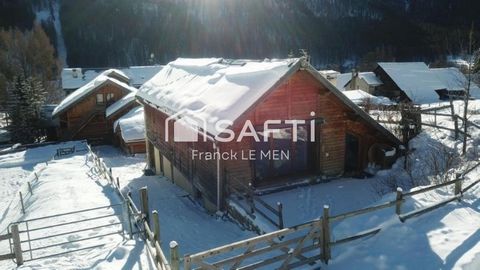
[337, 137]
[82, 114]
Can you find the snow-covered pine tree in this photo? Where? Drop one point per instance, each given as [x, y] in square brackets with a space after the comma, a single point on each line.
[25, 96]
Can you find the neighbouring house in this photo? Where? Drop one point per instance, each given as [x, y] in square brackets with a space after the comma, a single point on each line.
[329, 74]
[74, 78]
[82, 114]
[409, 82]
[366, 81]
[456, 83]
[130, 131]
[186, 102]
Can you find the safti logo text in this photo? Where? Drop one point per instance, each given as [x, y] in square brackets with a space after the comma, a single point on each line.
[188, 128]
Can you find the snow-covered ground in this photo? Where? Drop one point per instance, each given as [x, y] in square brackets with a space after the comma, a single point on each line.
[181, 218]
[65, 185]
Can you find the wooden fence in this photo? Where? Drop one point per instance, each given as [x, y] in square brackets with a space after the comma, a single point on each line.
[256, 252]
[251, 203]
[141, 218]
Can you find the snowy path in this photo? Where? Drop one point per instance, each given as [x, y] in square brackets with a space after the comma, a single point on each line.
[181, 219]
[66, 185]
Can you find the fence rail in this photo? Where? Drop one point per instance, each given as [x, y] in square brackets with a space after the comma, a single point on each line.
[254, 204]
[247, 250]
[139, 218]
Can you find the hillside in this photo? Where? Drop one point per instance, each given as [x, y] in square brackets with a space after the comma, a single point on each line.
[122, 32]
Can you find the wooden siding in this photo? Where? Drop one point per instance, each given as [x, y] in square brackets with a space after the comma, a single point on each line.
[86, 119]
[294, 99]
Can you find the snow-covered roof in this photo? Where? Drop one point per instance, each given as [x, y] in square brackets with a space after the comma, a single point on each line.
[89, 88]
[359, 96]
[132, 125]
[213, 88]
[73, 78]
[342, 80]
[120, 104]
[415, 79]
[329, 74]
[370, 78]
[453, 78]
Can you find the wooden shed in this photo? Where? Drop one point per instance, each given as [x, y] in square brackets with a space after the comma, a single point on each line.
[332, 136]
[82, 114]
[129, 131]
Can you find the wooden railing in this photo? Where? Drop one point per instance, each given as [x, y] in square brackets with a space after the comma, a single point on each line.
[141, 218]
[254, 204]
[248, 249]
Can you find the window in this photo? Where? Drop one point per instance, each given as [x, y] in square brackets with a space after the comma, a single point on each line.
[100, 99]
[110, 96]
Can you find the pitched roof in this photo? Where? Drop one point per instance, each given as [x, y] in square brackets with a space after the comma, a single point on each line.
[370, 78]
[342, 80]
[453, 79]
[89, 88]
[73, 78]
[120, 104]
[215, 89]
[415, 79]
[132, 125]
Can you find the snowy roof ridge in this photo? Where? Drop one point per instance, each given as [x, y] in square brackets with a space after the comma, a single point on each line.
[132, 125]
[213, 88]
[415, 79]
[120, 104]
[89, 88]
[73, 78]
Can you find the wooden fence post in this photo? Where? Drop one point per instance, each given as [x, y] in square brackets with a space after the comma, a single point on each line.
[30, 187]
[144, 203]
[21, 202]
[280, 215]
[456, 127]
[174, 258]
[250, 200]
[118, 183]
[156, 225]
[326, 253]
[127, 216]
[398, 202]
[458, 184]
[36, 176]
[17, 245]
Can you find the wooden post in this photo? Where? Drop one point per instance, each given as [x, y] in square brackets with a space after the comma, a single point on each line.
[456, 127]
[458, 184]
[250, 198]
[118, 183]
[36, 176]
[435, 115]
[156, 225]
[280, 215]
[326, 253]
[174, 257]
[30, 187]
[17, 245]
[128, 218]
[398, 204]
[21, 201]
[144, 203]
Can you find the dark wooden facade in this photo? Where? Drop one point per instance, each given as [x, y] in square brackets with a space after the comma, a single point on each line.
[342, 143]
[86, 119]
[131, 148]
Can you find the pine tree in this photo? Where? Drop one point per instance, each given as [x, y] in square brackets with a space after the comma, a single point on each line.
[26, 95]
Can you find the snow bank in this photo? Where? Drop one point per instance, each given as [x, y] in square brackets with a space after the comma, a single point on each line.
[212, 88]
[120, 104]
[132, 125]
[89, 88]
